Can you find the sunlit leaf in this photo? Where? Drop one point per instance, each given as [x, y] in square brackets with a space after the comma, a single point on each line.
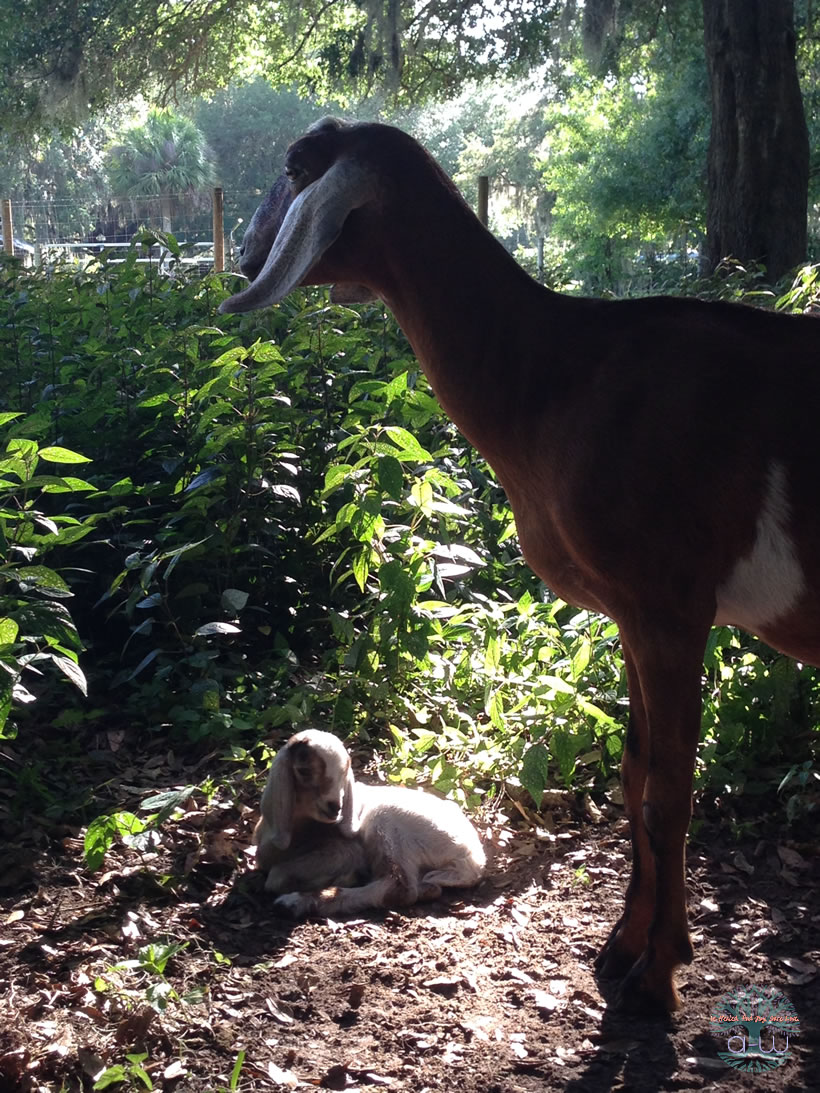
[217, 628]
[56, 454]
[72, 671]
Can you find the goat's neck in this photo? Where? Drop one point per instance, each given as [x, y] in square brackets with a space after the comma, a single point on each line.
[464, 323]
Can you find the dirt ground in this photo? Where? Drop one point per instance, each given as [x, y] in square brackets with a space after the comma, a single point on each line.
[490, 991]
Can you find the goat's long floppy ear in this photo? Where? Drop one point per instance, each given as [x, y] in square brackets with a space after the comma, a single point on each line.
[351, 810]
[312, 223]
[277, 801]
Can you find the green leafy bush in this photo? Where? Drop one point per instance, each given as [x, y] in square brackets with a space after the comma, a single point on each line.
[36, 628]
[278, 525]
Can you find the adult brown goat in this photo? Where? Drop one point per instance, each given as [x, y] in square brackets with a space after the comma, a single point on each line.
[660, 455]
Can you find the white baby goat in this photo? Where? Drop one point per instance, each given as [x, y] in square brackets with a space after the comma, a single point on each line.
[321, 828]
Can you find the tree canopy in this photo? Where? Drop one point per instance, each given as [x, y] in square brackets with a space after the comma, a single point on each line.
[614, 149]
[71, 57]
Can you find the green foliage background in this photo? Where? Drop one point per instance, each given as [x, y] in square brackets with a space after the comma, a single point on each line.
[276, 525]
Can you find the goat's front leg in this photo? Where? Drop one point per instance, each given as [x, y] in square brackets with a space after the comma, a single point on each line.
[397, 889]
[665, 672]
[630, 933]
[335, 861]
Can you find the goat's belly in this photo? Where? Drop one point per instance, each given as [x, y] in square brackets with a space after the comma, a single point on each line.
[768, 582]
[760, 592]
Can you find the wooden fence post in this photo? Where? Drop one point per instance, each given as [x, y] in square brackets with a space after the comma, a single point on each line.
[219, 230]
[8, 233]
[483, 199]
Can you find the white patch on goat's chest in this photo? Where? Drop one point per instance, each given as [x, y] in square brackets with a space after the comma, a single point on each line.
[769, 581]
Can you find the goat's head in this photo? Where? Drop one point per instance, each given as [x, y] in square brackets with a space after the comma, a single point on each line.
[319, 223]
[310, 779]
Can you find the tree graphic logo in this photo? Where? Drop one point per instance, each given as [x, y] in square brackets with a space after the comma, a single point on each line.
[758, 1023]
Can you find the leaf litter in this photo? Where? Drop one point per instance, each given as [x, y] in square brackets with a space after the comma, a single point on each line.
[166, 968]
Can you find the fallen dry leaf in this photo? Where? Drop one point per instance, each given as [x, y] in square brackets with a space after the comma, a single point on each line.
[282, 1077]
[741, 862]
[278, 1013]
[546, 1003]
[442, 985]
[791, 858]
[335, 1078]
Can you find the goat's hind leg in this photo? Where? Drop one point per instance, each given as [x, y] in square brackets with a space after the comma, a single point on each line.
[460, 874]
[668, 665]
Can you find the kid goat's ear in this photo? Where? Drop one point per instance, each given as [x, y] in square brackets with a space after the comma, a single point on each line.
[277, 800]
[351, 812]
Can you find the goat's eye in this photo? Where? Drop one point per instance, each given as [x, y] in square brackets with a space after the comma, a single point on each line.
[292, 173]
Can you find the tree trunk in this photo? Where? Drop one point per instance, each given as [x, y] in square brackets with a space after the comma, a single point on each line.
[758, 166]
[166, 206]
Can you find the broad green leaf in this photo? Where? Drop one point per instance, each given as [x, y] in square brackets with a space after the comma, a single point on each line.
[266, 353]
[555, 683]
[218, 382]
[396, 387]
[534, 772]
[597, 713]
[335, 475]
[146, 660]
[42, 578]
[390, 476]
[56, 454]
[361, 568]
[124, 486]
[69, 485]
[112, 1076]
[154, 400]
[234, 599]
[407, 443]
[231, 356]
[8, 631]
[67, 535]
[494, 708]
[564, 750]
[26, 449]
[22, 459]
[72, 671]
[166, 803]
[421, 496]
[581, 657]
[492, 654]
[102, 832]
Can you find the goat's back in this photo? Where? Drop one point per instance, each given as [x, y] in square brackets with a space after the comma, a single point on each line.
[406, 823]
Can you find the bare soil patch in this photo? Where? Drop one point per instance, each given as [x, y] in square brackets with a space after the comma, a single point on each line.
[490, 991]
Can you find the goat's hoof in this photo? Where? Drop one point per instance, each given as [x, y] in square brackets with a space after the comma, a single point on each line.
[615, 959]
[292, 905]
[648, 990]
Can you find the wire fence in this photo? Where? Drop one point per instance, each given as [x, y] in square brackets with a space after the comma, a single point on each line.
[209, 225]
[41, 230]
